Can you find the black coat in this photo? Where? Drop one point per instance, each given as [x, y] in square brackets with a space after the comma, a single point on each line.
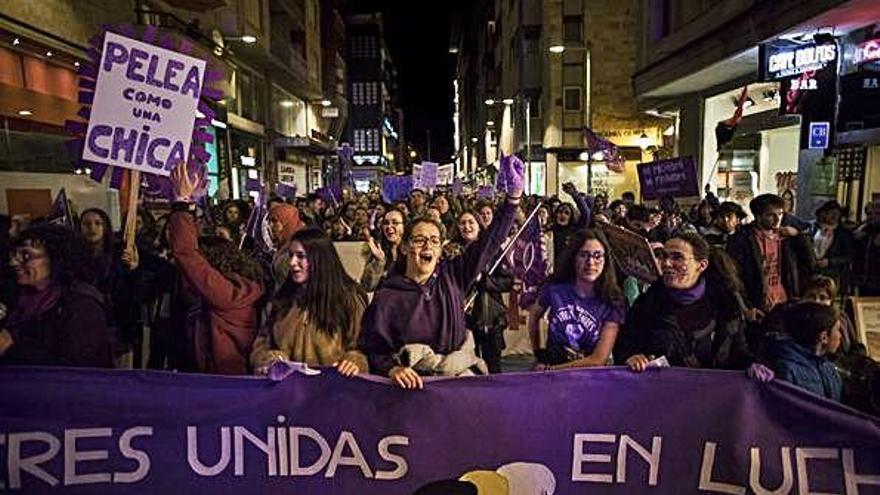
[796, 265]
[653, 328]
[73, 332]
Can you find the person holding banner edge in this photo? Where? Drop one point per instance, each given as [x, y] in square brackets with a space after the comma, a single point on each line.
[422, 302]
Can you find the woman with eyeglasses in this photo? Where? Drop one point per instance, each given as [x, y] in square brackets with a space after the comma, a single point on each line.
[383, 254]
[315, 318]
[415, 324]
[58, 318]
[585, 307]
[693, 315]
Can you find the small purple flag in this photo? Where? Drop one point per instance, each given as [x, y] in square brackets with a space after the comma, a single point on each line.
[286, 191]
[60, 213]
[486, 192]
[528, 258]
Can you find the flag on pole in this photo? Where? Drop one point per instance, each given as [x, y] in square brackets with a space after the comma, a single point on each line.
[611, 156]
[725, 129]
[60, 213]
[528, 260]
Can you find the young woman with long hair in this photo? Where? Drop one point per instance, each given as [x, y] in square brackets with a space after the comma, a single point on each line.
[315, 317]
[585, 306]
[383, 254]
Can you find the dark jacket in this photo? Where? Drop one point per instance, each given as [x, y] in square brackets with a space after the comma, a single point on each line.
[73, 332]
[404, 312]
[840, 255]
[225, 326]
[562, 234]
[797, 262]
[795, 364]
[653, 327]
[489, 313]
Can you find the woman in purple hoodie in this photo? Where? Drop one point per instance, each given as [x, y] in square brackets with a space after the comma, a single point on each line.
[423, 303]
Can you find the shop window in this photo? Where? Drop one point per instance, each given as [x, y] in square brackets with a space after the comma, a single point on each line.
[572, 99]
[249, 97]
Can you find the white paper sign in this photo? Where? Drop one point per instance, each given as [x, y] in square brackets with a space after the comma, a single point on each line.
[144, 106]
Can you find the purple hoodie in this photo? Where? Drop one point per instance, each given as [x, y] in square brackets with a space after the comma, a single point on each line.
[405, 312]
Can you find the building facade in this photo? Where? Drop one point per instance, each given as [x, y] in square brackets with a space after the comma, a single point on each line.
[545, 70]
[803, 65]
[284, 105]
[375, 124]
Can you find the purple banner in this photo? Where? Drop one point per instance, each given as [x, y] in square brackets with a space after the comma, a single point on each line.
[676, 177]
[605, 430]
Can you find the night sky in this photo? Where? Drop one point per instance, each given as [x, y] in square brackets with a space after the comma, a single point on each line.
[417, 33]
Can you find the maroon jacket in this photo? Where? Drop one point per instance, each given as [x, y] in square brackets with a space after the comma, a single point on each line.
[226, 326]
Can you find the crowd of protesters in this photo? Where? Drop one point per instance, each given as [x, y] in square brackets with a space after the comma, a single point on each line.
[757, 290]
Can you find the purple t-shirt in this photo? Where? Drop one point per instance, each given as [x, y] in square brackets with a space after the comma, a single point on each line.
[575, 321]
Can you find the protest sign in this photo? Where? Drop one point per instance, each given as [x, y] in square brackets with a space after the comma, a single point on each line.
[144, 106]
[75, 431]
[428, 176]
[676, 177]
[396, 187]
[445, 174]
[631, 252]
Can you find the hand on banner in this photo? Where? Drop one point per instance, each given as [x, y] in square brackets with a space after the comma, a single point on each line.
[638, 362]
[406, 377]
[6, 341]
[184, 185]
[760, 373]
[346, 368]
[130, 258]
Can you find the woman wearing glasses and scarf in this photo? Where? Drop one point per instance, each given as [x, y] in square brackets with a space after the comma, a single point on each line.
[692, 316]
[58, 319]
[585, 307]
[416, 323]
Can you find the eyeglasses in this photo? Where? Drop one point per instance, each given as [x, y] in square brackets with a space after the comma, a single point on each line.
[420, 241]
[672, 257]
[24, 257]
[591, 255]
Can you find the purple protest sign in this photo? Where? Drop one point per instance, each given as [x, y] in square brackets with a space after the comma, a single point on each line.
[286, 191]
[676, 177]
[144, 106]
[73, 431]
[486, 192]
[428, 176]
[396, 187]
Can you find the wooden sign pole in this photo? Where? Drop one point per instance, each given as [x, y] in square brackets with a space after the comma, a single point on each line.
[134, 188]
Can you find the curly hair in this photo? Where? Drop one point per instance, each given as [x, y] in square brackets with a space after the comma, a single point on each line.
[68, 252]
[225, 256]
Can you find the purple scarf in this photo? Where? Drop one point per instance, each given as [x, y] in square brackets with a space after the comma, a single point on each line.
[688, 296]
[32, 302]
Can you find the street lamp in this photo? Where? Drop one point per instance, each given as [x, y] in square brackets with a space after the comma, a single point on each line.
[507, 101]
[412, 153]
[644, 141]
[557, 48]
[248, 39]
[490, 101]
[326, 103]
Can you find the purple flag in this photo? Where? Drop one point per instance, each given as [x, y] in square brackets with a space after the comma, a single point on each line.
[528, 261]
[485, 192]
[60, 213]
[610, 153]
[286, 191]
[603, 430]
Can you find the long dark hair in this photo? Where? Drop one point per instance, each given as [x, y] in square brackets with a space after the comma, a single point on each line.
[68, 252]
[226, 258]
[386, 246]
[107, 241]
[606, 287]
[329, 293]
